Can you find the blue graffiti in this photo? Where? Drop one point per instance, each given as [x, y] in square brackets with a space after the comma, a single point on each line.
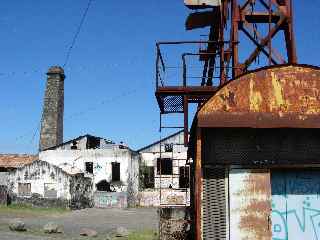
[291, 224]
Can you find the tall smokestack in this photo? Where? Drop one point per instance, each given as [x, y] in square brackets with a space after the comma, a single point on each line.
[52, 117]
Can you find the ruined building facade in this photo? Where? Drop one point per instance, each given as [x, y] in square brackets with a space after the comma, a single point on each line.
[52, 117]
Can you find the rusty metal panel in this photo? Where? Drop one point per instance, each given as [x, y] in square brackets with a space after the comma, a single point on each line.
[250, 204]
[273, 97]
[198, 4]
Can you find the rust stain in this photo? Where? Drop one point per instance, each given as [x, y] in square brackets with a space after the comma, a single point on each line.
[256, 209]
[255, 98]
[284, 96]
[255, 221]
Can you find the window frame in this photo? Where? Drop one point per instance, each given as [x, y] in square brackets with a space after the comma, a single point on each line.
[167, 170]
[24, 193]
[115, 177]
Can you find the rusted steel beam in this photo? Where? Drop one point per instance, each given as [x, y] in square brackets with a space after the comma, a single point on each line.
[235, 12]
[183, 91]
[186, 118]
[289, 36]
[198, 184]
[262, 17]
[264, 42]
[274, 51]
[259, 46]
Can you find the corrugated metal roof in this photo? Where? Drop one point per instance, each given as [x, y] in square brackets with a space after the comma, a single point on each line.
[16, 160]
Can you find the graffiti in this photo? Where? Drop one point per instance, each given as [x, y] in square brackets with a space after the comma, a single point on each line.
[110, 199]
[294, 224]
[295, 206]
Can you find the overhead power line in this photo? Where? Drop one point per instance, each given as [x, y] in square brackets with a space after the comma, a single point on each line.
[77, 33]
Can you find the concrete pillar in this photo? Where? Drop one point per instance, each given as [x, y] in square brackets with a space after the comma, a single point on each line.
[52, 117]
[174, 223]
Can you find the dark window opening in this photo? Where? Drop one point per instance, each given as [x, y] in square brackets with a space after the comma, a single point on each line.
[164, 166]
[168, 147]
[184, 177]
[89, 167]
[93, 142]
[115, 171]
[104, 186]
[148, 177]
[74, 145]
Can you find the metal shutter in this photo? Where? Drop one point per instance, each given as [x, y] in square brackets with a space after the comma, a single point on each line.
[214, 204]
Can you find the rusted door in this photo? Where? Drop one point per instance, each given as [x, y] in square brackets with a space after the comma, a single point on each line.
[250, 204]
[296, 205]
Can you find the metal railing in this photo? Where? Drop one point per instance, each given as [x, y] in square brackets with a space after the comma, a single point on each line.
[184, 68]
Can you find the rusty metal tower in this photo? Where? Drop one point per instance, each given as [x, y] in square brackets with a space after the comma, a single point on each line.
[233, 24]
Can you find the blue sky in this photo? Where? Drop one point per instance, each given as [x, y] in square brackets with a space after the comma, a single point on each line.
[109, 89]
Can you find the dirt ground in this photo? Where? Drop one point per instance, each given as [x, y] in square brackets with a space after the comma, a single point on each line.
[104, 221]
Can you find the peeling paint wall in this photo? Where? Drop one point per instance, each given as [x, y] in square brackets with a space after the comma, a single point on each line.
[48, 182]
[102, 166]
[102, 163]
[38, 174]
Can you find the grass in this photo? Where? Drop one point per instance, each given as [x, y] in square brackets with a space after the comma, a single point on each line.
[27, 209]
[143, 235]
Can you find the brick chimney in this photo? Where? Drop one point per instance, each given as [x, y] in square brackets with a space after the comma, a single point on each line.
[52, 117]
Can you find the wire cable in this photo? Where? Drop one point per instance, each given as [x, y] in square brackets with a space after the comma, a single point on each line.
[77, 33]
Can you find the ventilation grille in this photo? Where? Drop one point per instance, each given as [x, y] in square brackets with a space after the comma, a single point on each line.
[214, 204]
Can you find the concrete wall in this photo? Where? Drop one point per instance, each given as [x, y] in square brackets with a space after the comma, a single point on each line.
[38, 174]
[3, 178]
[168, 197]
[110, 200]
[73, 190]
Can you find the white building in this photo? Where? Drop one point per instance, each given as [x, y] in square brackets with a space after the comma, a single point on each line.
[112, 167]
[52, 186]
[165, 173]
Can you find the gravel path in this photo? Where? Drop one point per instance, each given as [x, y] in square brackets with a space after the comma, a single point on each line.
[101, 220]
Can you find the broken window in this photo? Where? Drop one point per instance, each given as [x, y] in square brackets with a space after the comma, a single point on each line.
[24, 189]
[89, 167]
[168, 147]
[103, 185]
[148, 177]
[184, 177]
[115, 171]
[164, 166]
[93, 142]
[50, 190]
[74, 145]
